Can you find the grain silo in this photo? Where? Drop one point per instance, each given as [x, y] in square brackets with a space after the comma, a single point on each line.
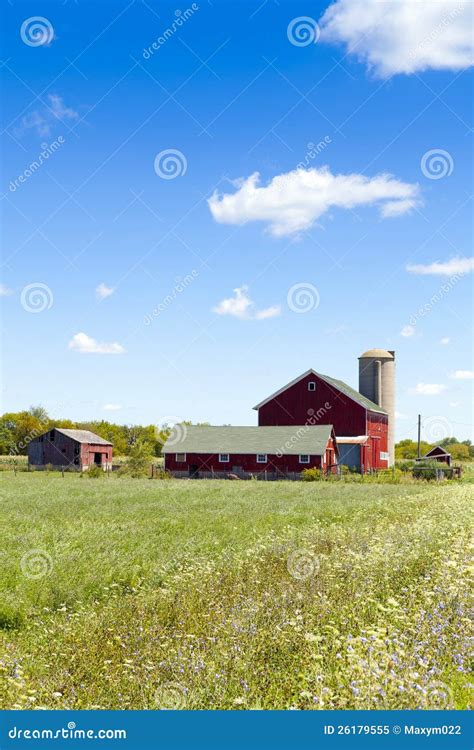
[377, 382]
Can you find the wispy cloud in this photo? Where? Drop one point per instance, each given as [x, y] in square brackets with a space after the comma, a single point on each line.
[445, 341]
[5, 291]
[84, 344]
[428, 389]
[463, 375]
[102, 291]
[112, 407]
[408, 331]
[420, 35]
[294, 201]
[44, 119]
[243, 307]
[451, 267]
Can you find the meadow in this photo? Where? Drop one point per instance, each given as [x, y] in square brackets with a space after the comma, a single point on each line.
[131, 593]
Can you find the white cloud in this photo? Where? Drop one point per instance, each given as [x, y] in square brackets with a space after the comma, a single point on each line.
[445, 340]
[293, 201]
[428, 389]
[112, 407]
[243, 307]
[408, 331]
[399, 415]
[448, 268]
[5, 291]
[454, 404]
[402, 36]
[463, 375]
[42, 120]
[83, 343]
[103, 291]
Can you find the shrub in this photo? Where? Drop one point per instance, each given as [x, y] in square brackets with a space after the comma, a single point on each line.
[311, 475]
[428, 469]
[95, 472]
[139, 460]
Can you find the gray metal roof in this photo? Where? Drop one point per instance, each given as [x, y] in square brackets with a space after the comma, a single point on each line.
[339, 384]
[288, 441]
[83, 436]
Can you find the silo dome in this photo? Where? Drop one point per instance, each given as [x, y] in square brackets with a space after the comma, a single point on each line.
[377, 353]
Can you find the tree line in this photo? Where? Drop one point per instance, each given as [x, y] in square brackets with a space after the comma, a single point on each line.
[18, 429]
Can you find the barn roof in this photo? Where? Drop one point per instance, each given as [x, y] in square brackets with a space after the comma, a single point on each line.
[291, 441]
[338, 384]
[83, 436]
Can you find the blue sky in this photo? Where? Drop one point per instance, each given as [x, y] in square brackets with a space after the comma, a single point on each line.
[119, 276]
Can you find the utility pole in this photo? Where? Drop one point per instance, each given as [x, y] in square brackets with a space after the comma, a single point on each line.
[419, 435]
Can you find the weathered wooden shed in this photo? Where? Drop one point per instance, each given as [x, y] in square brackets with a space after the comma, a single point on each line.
[438, 454]
[64, 448]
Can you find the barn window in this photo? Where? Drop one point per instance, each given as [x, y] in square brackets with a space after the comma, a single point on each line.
[180, 458]
[261, 458]
[312, 385]
[224, 458]
[304, 459]
[51, 436]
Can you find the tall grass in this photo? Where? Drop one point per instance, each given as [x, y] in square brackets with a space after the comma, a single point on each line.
[213, 594]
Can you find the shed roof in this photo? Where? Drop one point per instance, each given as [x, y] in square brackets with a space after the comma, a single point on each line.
[338, 384]
[83, 436]
[291, 441]
[438, 450]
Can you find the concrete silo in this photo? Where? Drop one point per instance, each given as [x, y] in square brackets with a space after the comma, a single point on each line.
[377, 382]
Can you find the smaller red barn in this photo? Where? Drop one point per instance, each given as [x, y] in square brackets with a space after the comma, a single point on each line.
[270, 452]
[438, 454]
[63, 448]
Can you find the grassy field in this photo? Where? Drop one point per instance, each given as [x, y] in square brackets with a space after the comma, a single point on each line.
[121, 593]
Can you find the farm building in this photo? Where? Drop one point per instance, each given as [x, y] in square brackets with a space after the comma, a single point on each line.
[367, 414]
[273, 452]
[438, 454]
[63, 448]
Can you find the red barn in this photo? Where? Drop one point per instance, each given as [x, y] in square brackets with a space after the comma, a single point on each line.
[313, 398]
[63, 448]
[269, 452]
